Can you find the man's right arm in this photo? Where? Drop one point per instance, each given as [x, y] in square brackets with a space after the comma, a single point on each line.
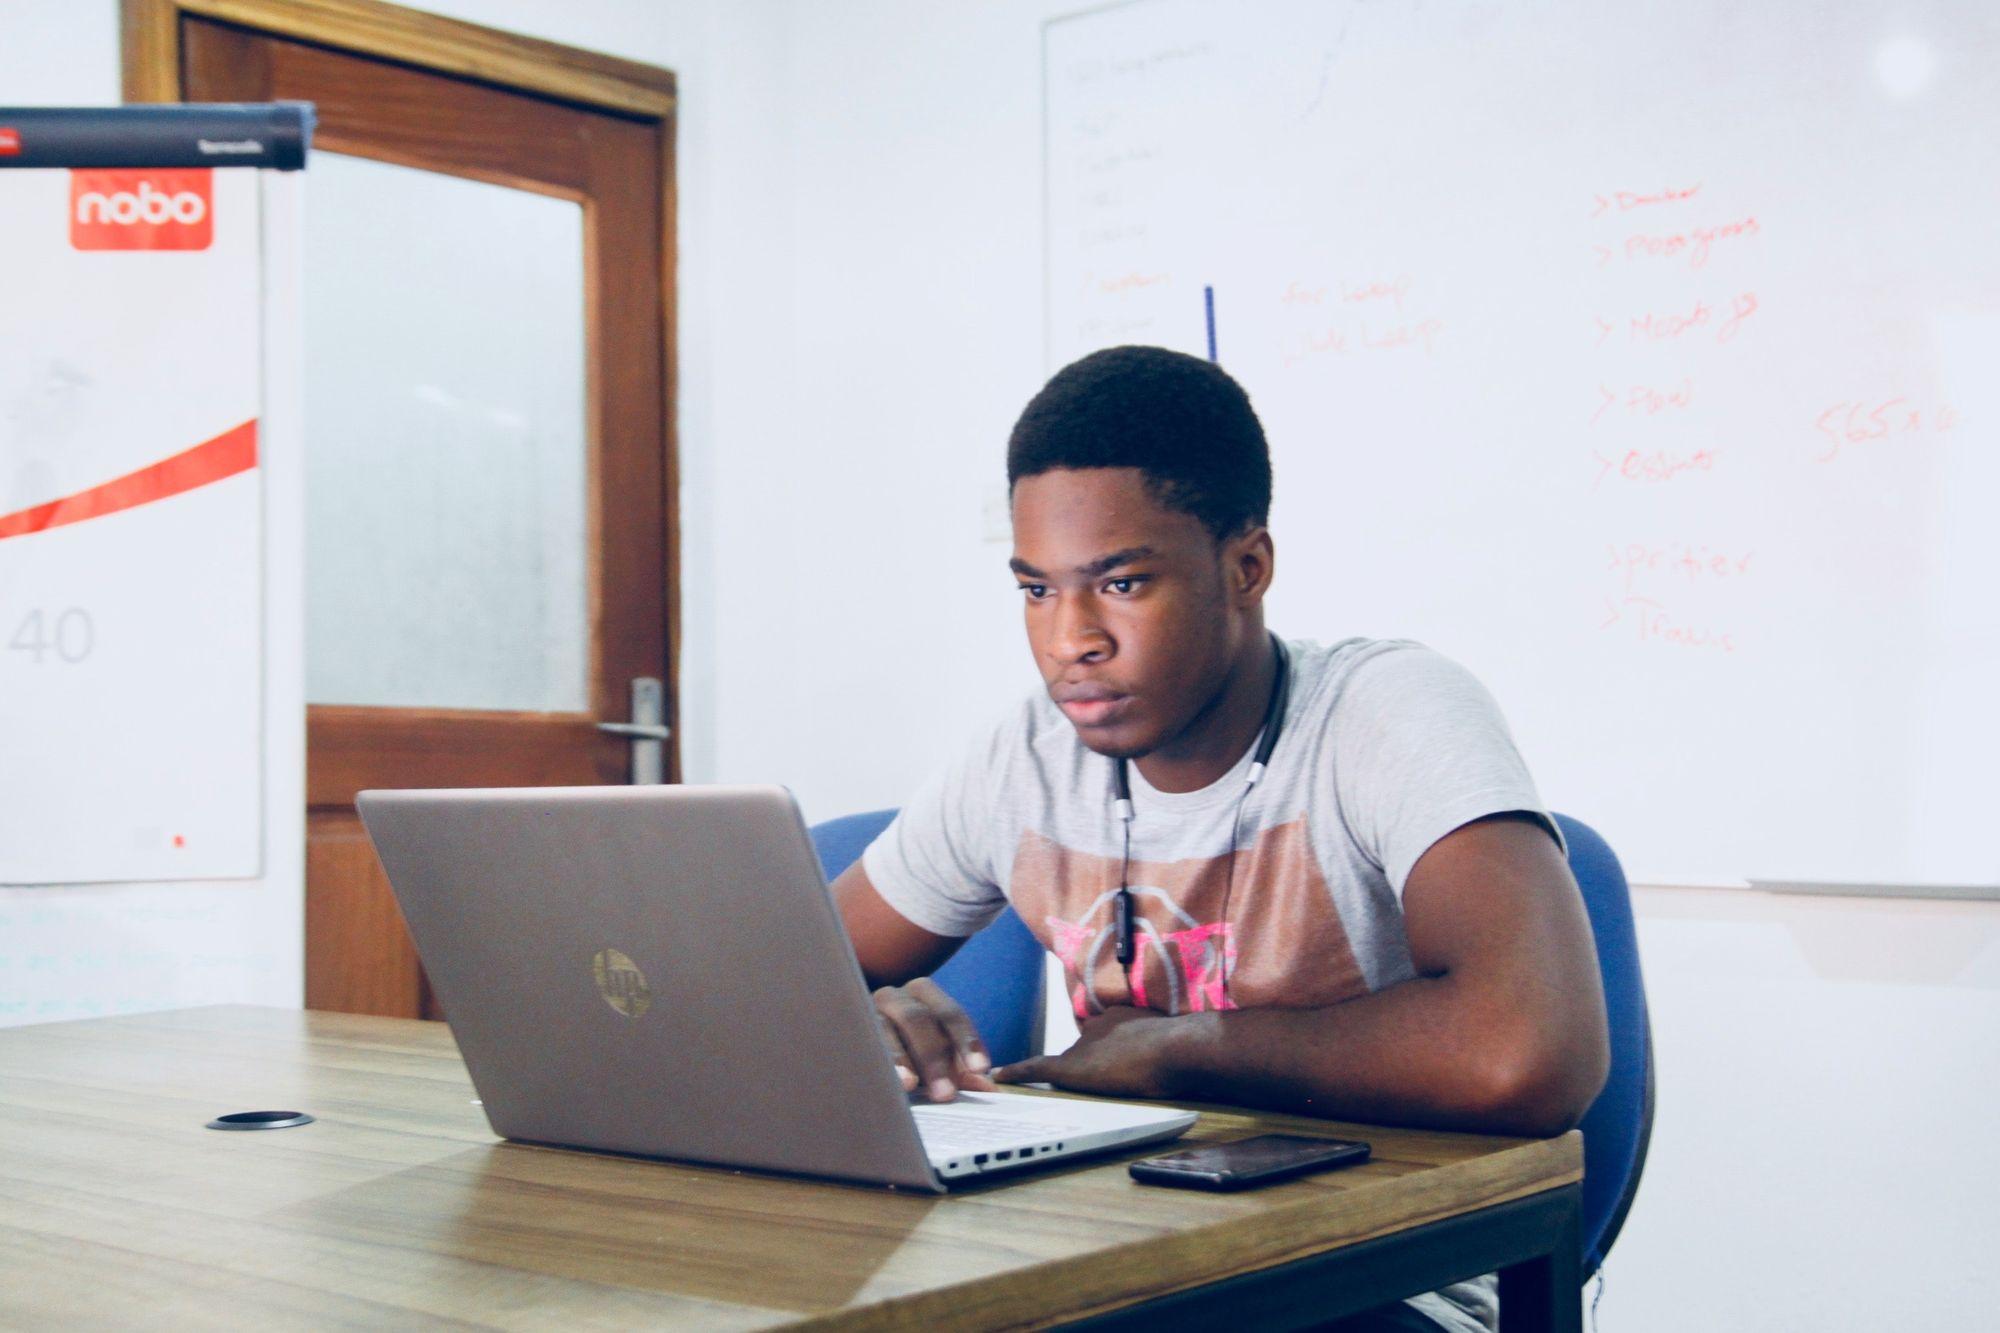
[931, 1039]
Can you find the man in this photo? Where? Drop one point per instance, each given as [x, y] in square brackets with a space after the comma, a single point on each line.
[1382, 927]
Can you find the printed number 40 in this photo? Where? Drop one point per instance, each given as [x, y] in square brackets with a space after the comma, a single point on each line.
[70, 635]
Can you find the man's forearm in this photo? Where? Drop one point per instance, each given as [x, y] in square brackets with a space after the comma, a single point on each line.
[1414, 1053]
[1502, 1030]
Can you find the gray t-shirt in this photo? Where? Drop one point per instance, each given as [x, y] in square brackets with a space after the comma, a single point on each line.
[1291, 897]
[1385, 748]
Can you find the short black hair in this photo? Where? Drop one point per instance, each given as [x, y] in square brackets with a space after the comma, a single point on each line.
[1180, 420]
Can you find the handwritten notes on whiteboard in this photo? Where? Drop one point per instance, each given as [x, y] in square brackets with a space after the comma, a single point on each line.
[1642, 360]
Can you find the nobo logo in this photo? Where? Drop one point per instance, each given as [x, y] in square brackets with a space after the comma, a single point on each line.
[142, 210]
[621, 983]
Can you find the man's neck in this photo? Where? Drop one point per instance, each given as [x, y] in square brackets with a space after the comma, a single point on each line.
[1212, 744]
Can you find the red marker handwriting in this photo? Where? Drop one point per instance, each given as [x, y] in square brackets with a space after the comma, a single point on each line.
[1653, 623]
[1722, 321]
[1643, 399]
[1653, 467]
[1694, 243]
[1626, 200]
[1422, 334]
[1375, 289]
[1130, 282]
[1860, 422]
[1364, 336]
[1694, 562]
[1740, 309]
[1394, 290]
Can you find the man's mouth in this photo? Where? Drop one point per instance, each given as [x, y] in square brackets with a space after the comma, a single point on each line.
[1090, 705]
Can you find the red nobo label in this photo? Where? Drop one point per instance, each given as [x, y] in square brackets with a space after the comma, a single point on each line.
[142, 210]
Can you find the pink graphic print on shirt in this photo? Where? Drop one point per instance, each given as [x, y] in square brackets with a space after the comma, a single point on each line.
[1283, 943]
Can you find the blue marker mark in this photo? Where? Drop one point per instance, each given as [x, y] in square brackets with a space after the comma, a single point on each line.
[1208, 300]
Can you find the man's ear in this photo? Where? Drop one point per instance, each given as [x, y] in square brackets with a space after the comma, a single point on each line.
[1249, 563]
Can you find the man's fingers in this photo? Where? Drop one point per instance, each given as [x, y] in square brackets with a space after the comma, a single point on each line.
[928, 1046]
[964, 1033]
[939, 1041]
[1034, 1069]
[896, 1054]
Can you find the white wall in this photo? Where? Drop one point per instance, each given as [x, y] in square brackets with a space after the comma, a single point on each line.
[1822, 1157]
[904, 318]
[861, 320]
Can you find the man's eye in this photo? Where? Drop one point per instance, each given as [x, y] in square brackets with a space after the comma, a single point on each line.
[1035, 591]
[1124, 586]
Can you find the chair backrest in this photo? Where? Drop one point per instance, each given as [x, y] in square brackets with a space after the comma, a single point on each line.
[996, 975]
[1619, 1124]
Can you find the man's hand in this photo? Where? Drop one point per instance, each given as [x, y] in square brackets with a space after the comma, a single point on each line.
[1120, 1053]
[932, 1040]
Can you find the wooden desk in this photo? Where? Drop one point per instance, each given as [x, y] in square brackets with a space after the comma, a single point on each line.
[399, 1206]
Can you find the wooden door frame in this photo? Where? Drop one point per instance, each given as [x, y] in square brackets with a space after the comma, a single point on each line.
[153, 71]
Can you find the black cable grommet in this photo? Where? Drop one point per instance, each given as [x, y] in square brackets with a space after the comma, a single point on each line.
[260, 1120]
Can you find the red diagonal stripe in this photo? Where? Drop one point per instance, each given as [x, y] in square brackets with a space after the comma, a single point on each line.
[233, 451]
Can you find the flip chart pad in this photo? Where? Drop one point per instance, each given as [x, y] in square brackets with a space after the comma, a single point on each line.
[131, 526]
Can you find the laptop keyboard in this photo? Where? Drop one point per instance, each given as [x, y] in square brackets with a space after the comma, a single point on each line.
[944, 1131]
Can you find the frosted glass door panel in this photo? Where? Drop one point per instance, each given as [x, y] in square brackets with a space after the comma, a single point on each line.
[445, 436]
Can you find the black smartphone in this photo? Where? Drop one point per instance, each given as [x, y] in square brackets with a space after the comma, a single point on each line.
[1247, 1162]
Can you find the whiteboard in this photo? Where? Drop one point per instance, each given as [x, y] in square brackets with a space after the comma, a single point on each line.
[1644, 358]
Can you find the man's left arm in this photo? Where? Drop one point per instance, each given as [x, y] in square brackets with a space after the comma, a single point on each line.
[1502, 1030]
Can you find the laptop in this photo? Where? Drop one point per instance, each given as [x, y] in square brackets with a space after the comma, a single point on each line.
[660, 971]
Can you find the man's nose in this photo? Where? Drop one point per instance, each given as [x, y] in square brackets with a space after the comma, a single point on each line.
[1079, 634]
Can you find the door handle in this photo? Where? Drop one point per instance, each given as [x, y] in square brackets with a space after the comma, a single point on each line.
[648, 731]
[636, 729]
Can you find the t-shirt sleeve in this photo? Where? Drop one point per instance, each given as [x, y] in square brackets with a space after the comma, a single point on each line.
[1421, 749]
[934, 863]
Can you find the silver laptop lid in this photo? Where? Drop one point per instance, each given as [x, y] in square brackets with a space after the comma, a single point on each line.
[654, 970]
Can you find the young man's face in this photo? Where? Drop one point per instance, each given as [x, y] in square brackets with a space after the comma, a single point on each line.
[1132, 614]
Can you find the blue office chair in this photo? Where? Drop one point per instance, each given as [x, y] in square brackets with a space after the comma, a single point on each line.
[1619, 1125]
[997, 976]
